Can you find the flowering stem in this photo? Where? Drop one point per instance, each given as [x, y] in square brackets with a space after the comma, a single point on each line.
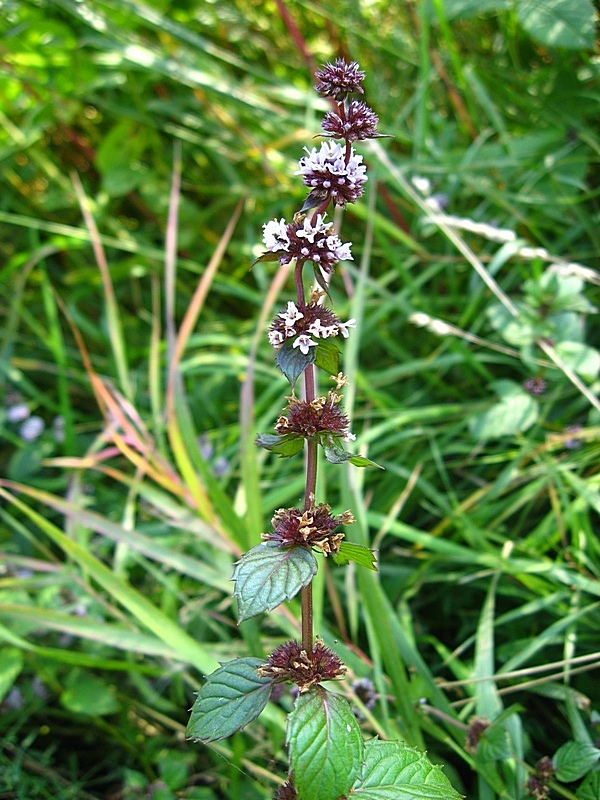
[307, 619]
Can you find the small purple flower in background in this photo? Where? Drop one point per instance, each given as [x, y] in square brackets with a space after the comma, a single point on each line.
[364, 689]
[535, 386]
[31, 429]
[58, 429]
[575, 442]
[17, 412]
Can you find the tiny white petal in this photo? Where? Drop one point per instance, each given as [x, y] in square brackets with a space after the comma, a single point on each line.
[343, 326]
[304, 342]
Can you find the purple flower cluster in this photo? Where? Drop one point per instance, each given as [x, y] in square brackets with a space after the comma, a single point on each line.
[334, 173]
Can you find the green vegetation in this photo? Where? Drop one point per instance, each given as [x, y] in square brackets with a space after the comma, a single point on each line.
[143, 146]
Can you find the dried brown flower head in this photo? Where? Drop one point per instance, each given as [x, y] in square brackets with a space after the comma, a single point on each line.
[289, 662]
[314, 527]
[308, 419]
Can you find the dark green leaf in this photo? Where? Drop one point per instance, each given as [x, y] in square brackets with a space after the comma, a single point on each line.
[395, 771]
[574, 759]
[357, 553]
[327, 356]
[292, 361]
[284, 446]
[325, 745]
[267, 575]
[232, 696]
[590, 788]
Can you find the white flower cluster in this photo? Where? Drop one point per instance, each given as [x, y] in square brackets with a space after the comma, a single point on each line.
[315, 232]
[327, 167]
[275, 236]
[290, 317]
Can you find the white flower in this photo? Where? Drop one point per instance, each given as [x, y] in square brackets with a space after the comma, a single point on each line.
[341, 249]
[310, 228]
[330, 158]
[304, 342]
[275, 338]
[291, 315]
[275, 235]
[343, 327]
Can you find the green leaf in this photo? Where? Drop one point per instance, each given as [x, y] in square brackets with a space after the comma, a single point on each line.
[284, 446]
[582, 359]
[558, 23]
[335, 452]
[327, 356]
[268, 256]
[516, 412]
[517, 331]
[395, 771]
[590, 788]
[574, 759]
[325, 745]
[463, 9]
[86, 694]
[11, 665]
[267, 575]
[361, 461]
[119, 158]
[292, 361]
[232, 696]
[357, 553]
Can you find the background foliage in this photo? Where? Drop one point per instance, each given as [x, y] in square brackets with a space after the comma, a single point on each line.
[133, 388]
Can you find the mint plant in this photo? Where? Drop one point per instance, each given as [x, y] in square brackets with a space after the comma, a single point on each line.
[328, 757]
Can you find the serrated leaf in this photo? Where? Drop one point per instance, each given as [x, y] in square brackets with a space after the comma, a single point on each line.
[357, 553]
[335, 452]
[558, 23]
[292, 361]
[590, 788]
[574, 759]
[395, 771]
[327, 356]
[284, 446]
[334, 449]
[325, 745]
[267, 575]
[232, 696]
